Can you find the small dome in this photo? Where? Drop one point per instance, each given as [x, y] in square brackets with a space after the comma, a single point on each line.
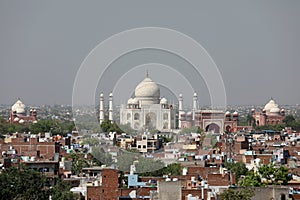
[18, 107]
[101, 95]
[147, 88]
[163, 101]
[235, 113]
[195, 94]
[135, 101]
[16, 119]
[282, 110]
[130, 101]
[21, 121]
[180, 95]
[111, 94]
[227, 113]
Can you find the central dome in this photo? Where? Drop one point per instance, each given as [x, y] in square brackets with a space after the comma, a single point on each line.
[147, 88]
[272, 107]
[147, 92]
[18, 107]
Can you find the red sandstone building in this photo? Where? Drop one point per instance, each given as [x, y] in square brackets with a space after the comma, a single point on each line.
[19, 115]
[270, 115]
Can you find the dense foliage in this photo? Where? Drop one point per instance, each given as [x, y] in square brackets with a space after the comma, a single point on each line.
[22, 183]
[238, 168]
[193, 129]
[45, 125]
[108, 126]
[275, 176]
[266, 174]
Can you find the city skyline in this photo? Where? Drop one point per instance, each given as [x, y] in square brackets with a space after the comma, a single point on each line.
[255, 46]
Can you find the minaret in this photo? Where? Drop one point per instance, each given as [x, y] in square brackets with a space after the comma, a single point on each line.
[195, 104]
[180, 110]
[101, 108]
[110, 107]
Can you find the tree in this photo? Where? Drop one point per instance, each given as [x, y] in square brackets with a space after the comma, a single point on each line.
[251, 180]
[23, 183]
[101, 157]
[289, 120]
[108, 126]
[126, 128]
[276, 176]
[125, 159]
[61, 190]
[282, 177]
[250, 120]
[230, 194]
[148, 165]
[238, 168]
[53, 126]
[193, 129]
[144, 166]
[173, 169]
[274, 127]
[78, 162]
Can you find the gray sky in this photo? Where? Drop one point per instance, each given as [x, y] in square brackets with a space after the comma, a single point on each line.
[255, 44]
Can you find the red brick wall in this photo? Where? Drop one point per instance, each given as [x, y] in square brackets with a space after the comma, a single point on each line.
[203, 171]
[93, 192]
[47, 149]
[219, 179]
[110, 184]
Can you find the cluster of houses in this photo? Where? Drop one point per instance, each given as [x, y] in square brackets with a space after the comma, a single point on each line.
[201, 156]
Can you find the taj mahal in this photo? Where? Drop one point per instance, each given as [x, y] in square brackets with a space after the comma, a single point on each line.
[146, 109]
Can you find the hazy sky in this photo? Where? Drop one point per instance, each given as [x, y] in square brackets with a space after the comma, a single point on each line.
[255, 44]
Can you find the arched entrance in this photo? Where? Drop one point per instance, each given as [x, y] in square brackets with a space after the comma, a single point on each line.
[228, 128]
[212, 127]
[150, 120]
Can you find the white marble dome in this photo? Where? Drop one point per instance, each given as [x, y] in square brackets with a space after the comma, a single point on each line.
[271, 105]
[275, 110]
[147, 88]
[19, 107]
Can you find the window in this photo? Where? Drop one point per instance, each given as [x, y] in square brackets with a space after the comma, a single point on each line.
[166, 116]
[136, 116]
[144, 146]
